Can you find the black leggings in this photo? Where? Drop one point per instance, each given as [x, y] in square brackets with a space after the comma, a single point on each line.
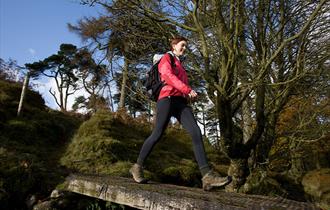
[177, 107]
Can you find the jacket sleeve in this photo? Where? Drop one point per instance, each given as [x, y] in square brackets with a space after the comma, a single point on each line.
[167, 74]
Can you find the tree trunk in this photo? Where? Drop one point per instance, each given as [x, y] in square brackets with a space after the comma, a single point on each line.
[110, 99]
[247, 122]
[23, 93]
[226, 126]
[232, 143]
[238, 170]
[266, 142]
[123, 85]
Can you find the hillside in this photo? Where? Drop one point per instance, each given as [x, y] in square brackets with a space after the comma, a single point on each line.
[30, 146]
[109, 144]
[40, 148]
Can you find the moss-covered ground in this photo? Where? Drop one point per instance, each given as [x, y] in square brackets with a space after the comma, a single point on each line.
[42, 146]
[109, 144]
[30, 146]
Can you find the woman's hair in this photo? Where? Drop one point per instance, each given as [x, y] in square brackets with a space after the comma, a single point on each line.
[176, 40]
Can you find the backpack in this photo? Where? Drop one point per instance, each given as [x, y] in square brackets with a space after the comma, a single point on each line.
[153, 83]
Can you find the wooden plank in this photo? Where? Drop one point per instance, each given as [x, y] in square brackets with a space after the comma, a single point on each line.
[157, 196]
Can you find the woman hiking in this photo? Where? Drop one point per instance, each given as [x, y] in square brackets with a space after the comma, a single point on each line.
[173, 101]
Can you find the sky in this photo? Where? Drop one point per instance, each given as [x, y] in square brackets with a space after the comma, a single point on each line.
[31, 30]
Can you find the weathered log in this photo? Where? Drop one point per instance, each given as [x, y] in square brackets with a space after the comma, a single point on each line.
[164, 196]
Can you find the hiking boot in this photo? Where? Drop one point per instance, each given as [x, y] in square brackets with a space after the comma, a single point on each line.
[137, 172]
[213, 179]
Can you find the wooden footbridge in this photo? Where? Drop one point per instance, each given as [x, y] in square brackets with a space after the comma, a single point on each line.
[156, 196]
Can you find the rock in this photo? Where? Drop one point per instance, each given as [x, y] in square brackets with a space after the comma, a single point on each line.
[56, 193]
[46, 205]
[58, 199]
[30, 201]
[259, 182]
[317, 186]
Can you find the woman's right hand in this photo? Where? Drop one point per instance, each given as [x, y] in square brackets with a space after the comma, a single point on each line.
[192, 94]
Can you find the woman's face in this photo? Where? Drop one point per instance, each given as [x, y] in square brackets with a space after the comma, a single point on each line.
[179, 48]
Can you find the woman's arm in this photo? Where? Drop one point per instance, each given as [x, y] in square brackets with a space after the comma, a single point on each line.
[170, 78]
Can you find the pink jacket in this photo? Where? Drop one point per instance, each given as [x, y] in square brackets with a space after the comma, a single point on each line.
[176, 79]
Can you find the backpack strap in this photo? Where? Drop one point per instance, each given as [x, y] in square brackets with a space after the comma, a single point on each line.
[173, 62]
[172, 65]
